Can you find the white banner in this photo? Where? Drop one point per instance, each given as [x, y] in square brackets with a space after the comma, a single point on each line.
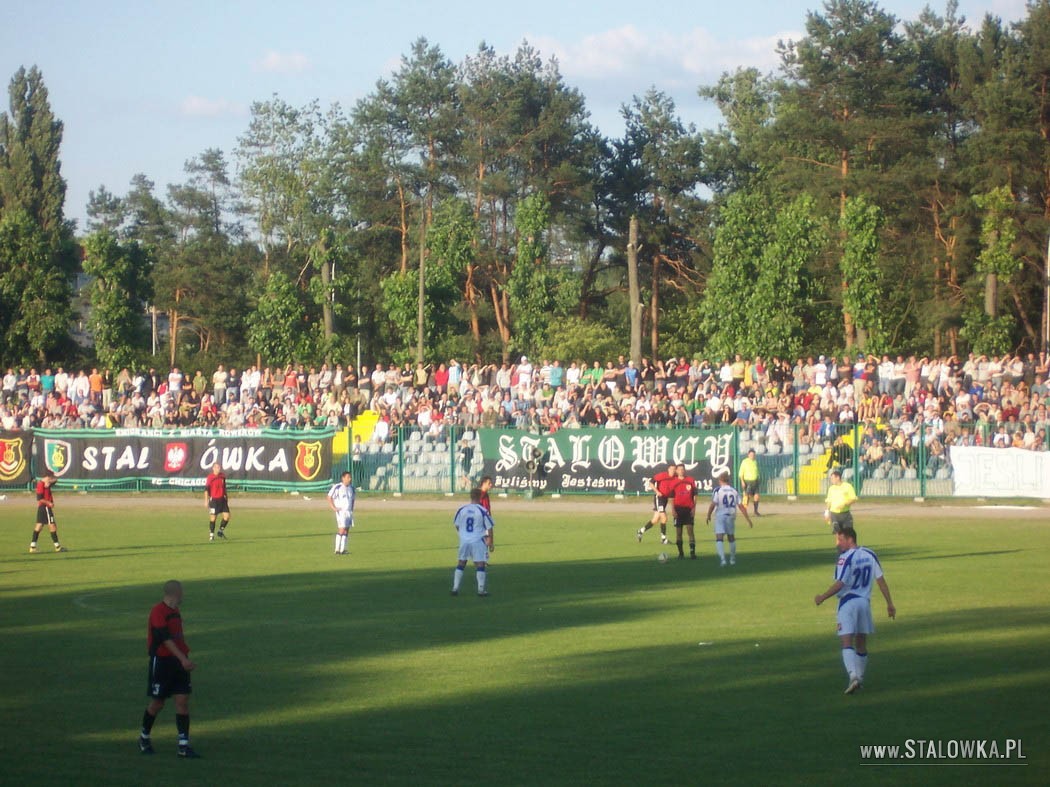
[1000, 472]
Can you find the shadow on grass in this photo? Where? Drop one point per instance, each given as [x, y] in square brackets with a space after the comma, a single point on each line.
[380, 677]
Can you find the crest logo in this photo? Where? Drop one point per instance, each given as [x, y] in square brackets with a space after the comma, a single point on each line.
[58, 456]
[12, 459]
[308, 460]
[175, 456]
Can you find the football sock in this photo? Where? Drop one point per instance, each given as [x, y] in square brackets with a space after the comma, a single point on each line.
[721, 550]
[663, 530]
[147, 723]
[54, 537]
[482, 576]
[647, 526]
[211, 527]
[862, 664]
[849, 660]
[182, 724]
[692, 547]
[732, 549]
[338, 538]
[457, 578]
[756, 506]
[36, 534]
[679, 545]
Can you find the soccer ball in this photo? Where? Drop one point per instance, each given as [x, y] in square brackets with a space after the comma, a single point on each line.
[662, 557]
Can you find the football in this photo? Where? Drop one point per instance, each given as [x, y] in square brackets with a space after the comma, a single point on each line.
[662, 557]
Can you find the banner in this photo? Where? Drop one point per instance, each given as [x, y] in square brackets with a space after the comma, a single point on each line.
[601, 460]
[1000, 472]
[15, 448]
[184, 457]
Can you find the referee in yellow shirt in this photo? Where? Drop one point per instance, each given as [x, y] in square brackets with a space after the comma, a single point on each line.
[841, 495]
[749, 479]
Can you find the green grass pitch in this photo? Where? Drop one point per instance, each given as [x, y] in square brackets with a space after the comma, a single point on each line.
[591, 663]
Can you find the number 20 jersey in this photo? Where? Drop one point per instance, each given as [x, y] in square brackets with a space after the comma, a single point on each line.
[857, 570]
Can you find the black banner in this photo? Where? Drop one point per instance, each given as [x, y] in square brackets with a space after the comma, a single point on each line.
[601, 460]
[184, 457]
[15, 448]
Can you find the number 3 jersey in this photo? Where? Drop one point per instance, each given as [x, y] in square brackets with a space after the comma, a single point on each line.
[857, 570]
[472, 521]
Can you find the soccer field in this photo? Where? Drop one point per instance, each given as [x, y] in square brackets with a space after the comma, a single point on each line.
[590, 663]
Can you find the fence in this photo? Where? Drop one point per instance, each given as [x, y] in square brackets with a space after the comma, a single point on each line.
[789, 463]
[878, 460]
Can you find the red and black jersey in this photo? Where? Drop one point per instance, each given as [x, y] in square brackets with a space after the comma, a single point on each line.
[685, 493]
[664, 483]
[43, 493]
[216, 485]
[164, 623]
[485, 502]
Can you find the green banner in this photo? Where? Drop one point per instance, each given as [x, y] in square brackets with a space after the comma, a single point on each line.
[601, 460]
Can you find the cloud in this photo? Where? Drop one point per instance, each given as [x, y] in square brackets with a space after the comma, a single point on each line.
[198, 106]
[666, 59]
[275, 62]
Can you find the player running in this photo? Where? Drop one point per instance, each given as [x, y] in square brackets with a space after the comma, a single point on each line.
[217, 501]
[341, 499]
[725, 502]
[45, 512]
[684, 496]
[474, 525]
[854, 572]
[662, 484]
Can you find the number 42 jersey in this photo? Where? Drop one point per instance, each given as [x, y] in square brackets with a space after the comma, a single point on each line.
[857, 570]
[473, 522]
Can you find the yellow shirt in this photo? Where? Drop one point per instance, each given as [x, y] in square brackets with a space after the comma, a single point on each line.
[748, 469]
[840, 497]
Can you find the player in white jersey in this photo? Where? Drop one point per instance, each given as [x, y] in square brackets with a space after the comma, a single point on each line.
[341, 500]
[725, 502]
[474, 525]
[857, 569]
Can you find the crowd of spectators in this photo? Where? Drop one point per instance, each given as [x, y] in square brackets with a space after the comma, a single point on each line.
[900, 403]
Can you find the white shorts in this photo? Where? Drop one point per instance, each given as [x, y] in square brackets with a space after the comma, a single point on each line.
[475, 551]
[855, 617]
[344, 520]
[725, 526]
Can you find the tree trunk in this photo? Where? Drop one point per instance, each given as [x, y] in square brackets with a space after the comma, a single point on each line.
[634, 292]
[991, 295]
[501, 322]
[654, 310]
[173, 334]
[326, 306]
[422, 287]
[403, 228]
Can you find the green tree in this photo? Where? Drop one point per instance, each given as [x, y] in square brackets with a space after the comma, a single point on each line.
[278, 328]
[863, 293]
[118, 293]
[38, 256]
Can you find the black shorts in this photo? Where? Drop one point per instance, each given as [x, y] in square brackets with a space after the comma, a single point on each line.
[218, 505]
[659, 503]
[683, 515]
[45, 515]
[839, 521]
[167, 678]
[751, 488]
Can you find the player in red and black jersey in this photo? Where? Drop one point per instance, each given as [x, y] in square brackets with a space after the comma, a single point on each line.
[662, 484]
[218, 503]
[45, 512]
[685, 510]
[485, 486]
[169, 669]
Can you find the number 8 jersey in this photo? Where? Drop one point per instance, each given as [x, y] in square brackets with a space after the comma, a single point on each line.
[473, 522]
[857, 570]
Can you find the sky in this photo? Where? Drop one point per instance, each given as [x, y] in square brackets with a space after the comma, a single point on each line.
[146, 86]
